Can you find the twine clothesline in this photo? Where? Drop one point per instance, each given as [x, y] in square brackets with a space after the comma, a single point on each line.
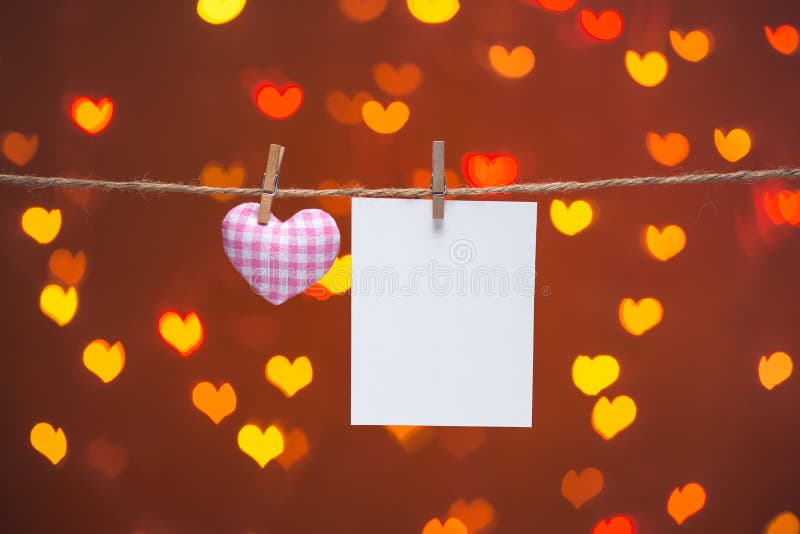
[147, 186]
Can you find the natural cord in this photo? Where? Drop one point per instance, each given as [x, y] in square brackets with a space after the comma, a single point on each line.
[146, 186]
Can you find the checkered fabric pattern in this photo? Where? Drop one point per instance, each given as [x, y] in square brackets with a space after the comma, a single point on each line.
[280, 259]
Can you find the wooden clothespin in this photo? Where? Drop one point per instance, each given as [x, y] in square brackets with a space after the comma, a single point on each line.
[438, 185]
[270, 183]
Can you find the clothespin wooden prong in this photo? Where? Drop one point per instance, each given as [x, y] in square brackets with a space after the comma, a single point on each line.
[270, 183]
[438, 185]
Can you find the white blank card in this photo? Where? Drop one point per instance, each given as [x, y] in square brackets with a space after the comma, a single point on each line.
[442, 313]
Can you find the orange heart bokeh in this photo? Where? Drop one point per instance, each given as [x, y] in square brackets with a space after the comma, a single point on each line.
[411, 438]
[668, 150]
[783, 523]
[515, 63]
[605, 26]
[49, 442]
[279, 104]
[734, 145]
[386, 120]
[694, 46]
[579, 488]
[784, 38]
[295, 448]
[362, 10]
[460, 442]
[451, 526]
[18, 148]
[214, 175]
[66, 266]
[774, 369]
[476, 515]
[397, 81]
[685, 502]
[347, 110]
[485, 170]
[216, 403]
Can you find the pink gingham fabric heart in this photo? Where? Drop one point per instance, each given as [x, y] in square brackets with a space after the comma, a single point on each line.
[280, 259]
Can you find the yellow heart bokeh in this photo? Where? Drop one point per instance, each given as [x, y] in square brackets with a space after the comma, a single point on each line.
[339, 277]
[573, 219]
[90, 116]
[514, 64]
[734, 145]
[639, 317]
[57, 304]
[451, 526]
[648, 70]
[49, 441]
[42, 225]
[385, 121]
[217, 404]
[260, 446]
[185, 335]
[18, 148]
[694, 46]
[433, 11]
[774, 369]
[685, 502]
[289, 377]
[592, 375]
[219, 11]
[666, 243]
[609, 418]
[783, 523]
[104, 360]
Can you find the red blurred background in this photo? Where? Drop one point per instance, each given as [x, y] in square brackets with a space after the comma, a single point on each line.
[142, 458]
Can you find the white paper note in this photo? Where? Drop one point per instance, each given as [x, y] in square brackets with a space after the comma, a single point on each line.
[442, 313]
